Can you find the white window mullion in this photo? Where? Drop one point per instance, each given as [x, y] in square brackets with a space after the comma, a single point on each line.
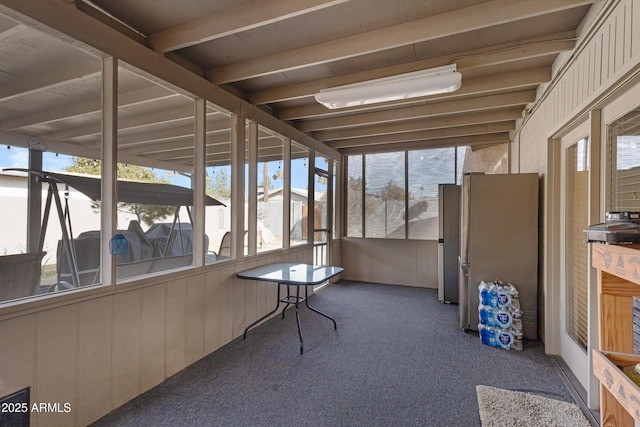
[286, 188]
[199, 182]
[108, 209]
[237, 185]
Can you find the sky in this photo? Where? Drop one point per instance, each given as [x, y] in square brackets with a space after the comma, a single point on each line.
[16, 157]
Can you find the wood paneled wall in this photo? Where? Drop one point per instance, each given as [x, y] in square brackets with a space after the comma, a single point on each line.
[99, 353]
[390, 261]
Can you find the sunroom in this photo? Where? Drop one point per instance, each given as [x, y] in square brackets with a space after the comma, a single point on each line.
[149, 153]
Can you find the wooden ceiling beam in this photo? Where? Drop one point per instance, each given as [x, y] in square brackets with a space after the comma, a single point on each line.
[10, 32]
[490, 139]
[185, 155]
[173, 115]
[471, 18]
[492, 55]
[213, 145]
[480, 129]
[64, 112]
[491, 116]
[145, 123]
[216, 141]
[479, 86]
[420, 111]
[232, 21]
[49, 79]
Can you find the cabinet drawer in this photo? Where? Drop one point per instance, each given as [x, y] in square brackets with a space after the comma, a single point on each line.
[607, 368]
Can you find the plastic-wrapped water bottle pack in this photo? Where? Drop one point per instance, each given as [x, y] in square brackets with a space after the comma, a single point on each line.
[500, 317]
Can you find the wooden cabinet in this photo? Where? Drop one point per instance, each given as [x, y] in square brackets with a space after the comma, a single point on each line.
[618, 282]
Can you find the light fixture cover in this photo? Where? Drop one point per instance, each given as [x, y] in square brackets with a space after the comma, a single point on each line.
[410, 85]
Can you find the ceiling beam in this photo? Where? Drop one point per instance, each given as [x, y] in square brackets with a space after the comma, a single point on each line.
[64, 112]
[146, 147]
[426, 110]
[173, 115]
[232, 21]
[217, 141]
[435, 27]
[488, 56]
[485, 140]
[182, 149]
[522, 79]
[422, 135]
[491, 116]
[49, 79]
[157, 137]
[12, 31]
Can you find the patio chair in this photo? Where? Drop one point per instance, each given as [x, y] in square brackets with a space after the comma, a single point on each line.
[20, 275]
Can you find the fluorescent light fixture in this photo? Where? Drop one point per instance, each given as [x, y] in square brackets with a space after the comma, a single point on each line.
[403, 86]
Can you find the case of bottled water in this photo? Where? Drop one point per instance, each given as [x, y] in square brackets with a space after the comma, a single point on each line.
[500, 317]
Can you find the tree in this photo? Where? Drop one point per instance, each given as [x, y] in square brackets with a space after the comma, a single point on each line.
[146, 214]
[218, 187]
[355, 183]
[391, 191]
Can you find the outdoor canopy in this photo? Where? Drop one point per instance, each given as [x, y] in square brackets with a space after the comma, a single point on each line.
[147, 193]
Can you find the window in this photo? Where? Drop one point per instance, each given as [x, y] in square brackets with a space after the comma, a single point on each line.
[624, 163]
[270, 190]
[427, 169]
[298, 230]
[355, 185]
[154, 172]
[40, 256]
[321, 202]
[395, 195]
[385, 194]
[44, 131]
[13, 197]
[218, 185]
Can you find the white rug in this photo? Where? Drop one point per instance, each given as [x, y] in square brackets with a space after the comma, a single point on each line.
[501, 408]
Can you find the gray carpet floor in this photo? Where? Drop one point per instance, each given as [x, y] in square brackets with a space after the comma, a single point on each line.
[398, 358]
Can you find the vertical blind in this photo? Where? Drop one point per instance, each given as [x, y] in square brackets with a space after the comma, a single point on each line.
[577, 250]
[624, 163]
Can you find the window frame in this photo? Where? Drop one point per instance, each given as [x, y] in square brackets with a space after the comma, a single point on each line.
[363, 189]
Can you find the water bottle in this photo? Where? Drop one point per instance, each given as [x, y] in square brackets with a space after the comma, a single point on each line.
[487, 315]
[515, 296]
[516, 321]
[517, 339]
[487, 295]
[503, 296]
[491, 316]
[504, 318]
[487, 335]
[509, 339]
[517, 344]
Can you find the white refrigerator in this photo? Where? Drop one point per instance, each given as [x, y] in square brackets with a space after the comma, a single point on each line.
[499, 240]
